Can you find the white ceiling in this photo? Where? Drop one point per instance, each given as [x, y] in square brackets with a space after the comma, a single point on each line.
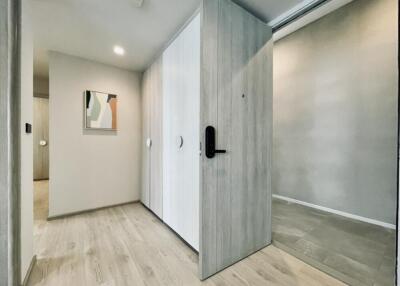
[90, 28]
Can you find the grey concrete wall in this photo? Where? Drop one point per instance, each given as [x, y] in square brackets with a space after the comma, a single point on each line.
[335, 111]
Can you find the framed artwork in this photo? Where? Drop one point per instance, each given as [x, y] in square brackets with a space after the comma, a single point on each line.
[100, 110]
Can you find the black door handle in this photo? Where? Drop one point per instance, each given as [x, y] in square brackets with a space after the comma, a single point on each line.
[210, 143]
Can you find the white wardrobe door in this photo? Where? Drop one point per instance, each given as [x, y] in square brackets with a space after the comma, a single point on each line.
[190, 126]
[181, 86]
[170, 128]
[156, 188]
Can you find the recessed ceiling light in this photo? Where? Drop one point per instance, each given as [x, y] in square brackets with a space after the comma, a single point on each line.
[119, 50]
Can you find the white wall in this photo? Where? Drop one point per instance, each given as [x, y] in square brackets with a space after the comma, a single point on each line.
[26, 140]
[91, 169]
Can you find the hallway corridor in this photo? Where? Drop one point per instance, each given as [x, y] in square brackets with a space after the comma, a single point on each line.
[128, 245]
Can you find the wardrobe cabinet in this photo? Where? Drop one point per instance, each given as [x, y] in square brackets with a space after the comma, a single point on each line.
[152, 146]
[171, 122]
[181, 121]
[146, 140]
[212, 188]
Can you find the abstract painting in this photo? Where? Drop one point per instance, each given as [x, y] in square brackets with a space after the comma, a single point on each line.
[101, 110]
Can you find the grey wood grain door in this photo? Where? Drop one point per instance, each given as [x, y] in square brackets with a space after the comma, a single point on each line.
[236, 99]
[40, 138]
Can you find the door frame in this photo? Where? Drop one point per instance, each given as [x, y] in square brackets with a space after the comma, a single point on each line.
[10, 224]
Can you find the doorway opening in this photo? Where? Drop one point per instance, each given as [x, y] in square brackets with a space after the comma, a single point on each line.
[40, 155]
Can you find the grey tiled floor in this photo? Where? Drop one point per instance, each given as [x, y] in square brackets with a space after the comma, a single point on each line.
[360, 253]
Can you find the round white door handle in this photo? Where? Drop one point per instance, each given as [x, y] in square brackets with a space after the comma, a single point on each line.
[149, 143]
[179, 142]
[42, 143]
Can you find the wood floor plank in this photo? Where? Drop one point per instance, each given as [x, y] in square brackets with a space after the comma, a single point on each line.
[128, 245]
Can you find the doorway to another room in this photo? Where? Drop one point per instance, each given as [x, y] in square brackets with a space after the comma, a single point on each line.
[40, 155]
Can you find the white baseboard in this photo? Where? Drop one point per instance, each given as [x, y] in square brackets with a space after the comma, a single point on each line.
[64, 215]
[329, 210]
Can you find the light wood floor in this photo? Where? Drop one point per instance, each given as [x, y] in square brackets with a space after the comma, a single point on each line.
[127, 245]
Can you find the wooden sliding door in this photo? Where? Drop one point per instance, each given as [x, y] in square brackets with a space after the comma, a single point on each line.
[236, 100]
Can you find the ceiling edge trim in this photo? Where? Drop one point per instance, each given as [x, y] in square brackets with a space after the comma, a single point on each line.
[282, 17]
[306, 16]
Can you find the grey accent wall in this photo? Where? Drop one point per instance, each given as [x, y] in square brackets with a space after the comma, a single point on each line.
[335, 111]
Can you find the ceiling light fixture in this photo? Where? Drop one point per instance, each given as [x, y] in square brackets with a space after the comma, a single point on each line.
[119, 50]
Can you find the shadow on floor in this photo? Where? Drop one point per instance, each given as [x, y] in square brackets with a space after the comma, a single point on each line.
[355, 252]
